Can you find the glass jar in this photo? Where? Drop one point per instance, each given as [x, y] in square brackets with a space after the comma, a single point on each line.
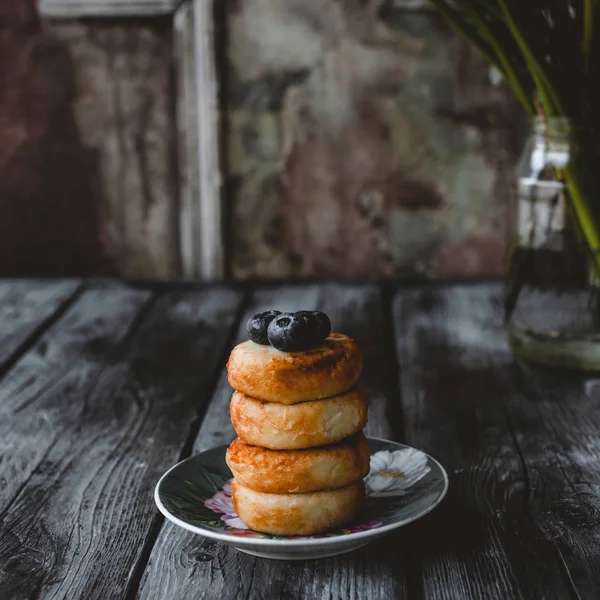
[551, 298]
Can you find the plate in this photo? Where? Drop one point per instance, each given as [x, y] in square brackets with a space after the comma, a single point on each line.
[403, 485]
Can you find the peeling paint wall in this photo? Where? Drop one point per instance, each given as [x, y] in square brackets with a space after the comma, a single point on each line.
[124, 110]
[51, 206]
[87, 146]
[363, 139]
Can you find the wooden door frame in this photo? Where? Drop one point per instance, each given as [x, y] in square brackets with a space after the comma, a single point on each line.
[197, 118]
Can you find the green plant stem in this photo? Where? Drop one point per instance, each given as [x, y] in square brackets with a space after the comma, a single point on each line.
[585, 218]
[510, 74]
[473, 26]
[457, 21]
[484, 41]
[547, 94]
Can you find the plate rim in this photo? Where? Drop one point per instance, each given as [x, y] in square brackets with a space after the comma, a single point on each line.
[299, 543]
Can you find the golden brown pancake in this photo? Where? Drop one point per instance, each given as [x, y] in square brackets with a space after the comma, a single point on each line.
[303, 425]
[299, 471]
[265, 373]
[297, 514]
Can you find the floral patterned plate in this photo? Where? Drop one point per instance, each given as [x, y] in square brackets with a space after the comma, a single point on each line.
[403, 485]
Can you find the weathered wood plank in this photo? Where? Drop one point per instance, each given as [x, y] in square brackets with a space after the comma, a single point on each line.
[187, 139]
[200, 213]
[183, 565]
[555, 421]
[119, 417]
[25, 308]
[519, 519]
[44, 393]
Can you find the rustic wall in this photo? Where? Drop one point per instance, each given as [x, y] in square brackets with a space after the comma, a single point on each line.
[363, 139]
[87, 159]
[50, 202]
[124, 110]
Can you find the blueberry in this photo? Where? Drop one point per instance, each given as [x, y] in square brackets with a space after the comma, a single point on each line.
[257, 326]
[320, 322]
[291, 332]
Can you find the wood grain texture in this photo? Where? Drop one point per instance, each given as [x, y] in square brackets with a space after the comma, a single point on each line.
[45, 391]
[25, 308]
[200, 218]
[111, 390]
[114, 396]
[124, 111]
[183, 565]
[520, 516]
[555, 421]
[187, 139]
[209, 216]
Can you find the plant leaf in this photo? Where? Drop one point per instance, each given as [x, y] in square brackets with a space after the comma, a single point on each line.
[548, 96]
[467, 29]
[475, 23]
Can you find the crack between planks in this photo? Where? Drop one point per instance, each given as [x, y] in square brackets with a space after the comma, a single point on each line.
[388, 292]
[140, 424]
[25, 347]
[118, 353]
[526, 503]
[565, 570]
[22, 486]
[212, 386]
[523, 464]
[563, 564]
[551, 541]
[138, 570]
[139, 317]
[33, 473]
[251, 580]
[40, 330]
[132, 328]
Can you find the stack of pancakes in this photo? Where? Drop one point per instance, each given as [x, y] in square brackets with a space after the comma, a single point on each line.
[300, 456]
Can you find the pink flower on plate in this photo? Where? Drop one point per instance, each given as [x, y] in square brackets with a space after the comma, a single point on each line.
[245, 533]
[234, 522]
[221, 504]
[353, 529]
[365, 526]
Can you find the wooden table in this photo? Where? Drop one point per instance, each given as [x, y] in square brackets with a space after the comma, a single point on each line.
[105, 386]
